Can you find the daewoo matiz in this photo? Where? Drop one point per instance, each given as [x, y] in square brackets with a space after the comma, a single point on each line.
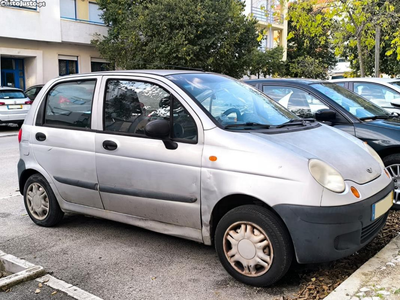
[203, 157]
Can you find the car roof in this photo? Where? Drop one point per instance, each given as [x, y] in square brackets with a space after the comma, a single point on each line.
[299, 81]
[6, 88]
[367, 79]
[36, 85]
[160, 72]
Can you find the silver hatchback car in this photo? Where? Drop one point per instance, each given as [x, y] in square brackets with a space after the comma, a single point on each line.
[203, 157]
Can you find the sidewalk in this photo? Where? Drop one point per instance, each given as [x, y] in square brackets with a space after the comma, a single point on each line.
[378, 278]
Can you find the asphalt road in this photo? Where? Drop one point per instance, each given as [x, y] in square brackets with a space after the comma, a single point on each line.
[113, 260]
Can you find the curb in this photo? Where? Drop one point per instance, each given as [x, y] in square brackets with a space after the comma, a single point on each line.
[8, 134]
[21, 270]
[349, 288]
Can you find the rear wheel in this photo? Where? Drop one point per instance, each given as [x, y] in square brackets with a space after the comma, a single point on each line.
[392, 164]
[40, 202]
[253, 245]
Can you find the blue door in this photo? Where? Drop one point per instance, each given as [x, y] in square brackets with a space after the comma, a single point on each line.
[12, 73]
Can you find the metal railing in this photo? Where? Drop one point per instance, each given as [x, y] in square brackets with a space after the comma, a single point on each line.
[267, 16]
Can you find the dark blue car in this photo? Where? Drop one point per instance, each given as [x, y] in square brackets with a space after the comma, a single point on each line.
[345, 110]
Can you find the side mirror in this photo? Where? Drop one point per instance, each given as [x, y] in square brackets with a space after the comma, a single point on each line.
[325, 115]
[395, 102]
[160, 129]
[157, 129]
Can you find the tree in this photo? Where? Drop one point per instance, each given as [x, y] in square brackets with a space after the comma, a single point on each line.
[268, 63]
[314, 47]
[353, 24]
[207, 34]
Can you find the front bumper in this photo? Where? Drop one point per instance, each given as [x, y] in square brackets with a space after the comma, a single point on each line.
[322, 234]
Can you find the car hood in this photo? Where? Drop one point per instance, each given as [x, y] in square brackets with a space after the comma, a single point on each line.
[340, 150]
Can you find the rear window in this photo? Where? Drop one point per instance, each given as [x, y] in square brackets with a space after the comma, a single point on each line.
[11, 94]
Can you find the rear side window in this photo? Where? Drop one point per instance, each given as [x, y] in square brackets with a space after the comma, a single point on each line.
[130, 105]
[70, 104]
[11, 95]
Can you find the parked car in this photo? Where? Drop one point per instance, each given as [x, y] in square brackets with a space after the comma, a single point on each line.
[14, 105]
[384, 92]
[342, 109]
[32, 91]
[206, 158]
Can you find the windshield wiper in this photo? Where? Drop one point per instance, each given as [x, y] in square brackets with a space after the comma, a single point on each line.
[248, 124]
[374, 118]
[295, 122]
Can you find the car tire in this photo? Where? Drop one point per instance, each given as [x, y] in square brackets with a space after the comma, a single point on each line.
[40, 202]
[392, 164]
[253, 245]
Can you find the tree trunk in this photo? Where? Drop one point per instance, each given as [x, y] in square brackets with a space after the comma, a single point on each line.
[360, 58]
[377, 49]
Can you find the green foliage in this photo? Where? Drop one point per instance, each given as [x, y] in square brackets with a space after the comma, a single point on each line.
[267, 63]
[307, 67]
[207, 34]
[352, 26]
[308, 40]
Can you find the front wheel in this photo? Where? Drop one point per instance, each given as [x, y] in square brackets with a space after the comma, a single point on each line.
[253, 245]
[392, 164]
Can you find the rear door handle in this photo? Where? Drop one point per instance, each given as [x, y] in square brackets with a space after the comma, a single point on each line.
[110, 145]
[40, 136]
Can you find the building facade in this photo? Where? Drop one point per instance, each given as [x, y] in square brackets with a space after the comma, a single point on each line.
[271, 16]
[40, 40]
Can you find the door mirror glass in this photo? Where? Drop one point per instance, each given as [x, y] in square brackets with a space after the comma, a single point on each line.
[157, 129]
[325, 115]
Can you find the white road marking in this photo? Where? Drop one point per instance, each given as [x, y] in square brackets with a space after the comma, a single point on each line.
[67, 288]
[13, 195]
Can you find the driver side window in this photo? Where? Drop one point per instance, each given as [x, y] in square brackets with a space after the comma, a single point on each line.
[130, 105]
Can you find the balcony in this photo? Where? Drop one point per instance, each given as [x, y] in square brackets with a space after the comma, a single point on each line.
[265, 16]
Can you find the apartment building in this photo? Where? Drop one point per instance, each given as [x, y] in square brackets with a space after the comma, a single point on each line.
[271, 16]
[40, 40]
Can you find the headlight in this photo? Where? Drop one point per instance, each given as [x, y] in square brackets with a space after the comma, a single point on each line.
[326, 176]
[374, 154]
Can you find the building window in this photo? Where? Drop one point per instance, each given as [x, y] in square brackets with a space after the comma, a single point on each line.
[68, 9]
[95, 13]
[67, 65]
[98, 64]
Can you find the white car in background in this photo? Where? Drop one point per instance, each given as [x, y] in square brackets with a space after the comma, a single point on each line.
[14, 105]
[384, 92]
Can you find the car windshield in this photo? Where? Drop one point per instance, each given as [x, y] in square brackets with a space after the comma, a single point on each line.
[356, 105]
[232, 103]
[396, 83]
[11, 94]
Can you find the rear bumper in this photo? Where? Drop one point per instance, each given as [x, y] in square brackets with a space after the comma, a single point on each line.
[10, 118]
[322, 234]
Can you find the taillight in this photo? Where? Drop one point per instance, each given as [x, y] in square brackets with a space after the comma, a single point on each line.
[2, 103]
[19, 135]
[29, 102]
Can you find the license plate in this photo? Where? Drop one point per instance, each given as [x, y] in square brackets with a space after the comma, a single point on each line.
[381, 207]
[14, 106]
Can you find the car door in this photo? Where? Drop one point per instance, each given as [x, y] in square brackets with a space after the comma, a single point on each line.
[304, 104]
[379, 94]
[63, 141]
[148, 177]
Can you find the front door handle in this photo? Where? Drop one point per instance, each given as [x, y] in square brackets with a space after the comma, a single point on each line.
[40, 136]
[110, 145]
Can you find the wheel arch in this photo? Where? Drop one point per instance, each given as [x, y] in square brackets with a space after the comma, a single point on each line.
[230, 202]
[24, 177]
[389, 151]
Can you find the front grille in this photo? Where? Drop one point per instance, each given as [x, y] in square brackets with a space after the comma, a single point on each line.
[369, 231]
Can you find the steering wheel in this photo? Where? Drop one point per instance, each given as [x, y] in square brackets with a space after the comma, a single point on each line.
[239, 116]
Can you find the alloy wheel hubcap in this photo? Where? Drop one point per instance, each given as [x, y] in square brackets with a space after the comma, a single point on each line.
[248, 249]
[37, 201]
[394, 171]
